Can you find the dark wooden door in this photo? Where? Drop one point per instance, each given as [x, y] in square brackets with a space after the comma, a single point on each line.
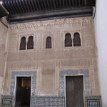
[23, 89]
[74, 91]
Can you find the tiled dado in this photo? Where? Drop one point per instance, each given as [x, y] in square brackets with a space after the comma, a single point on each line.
[16, 74]
[47, 101]
[83, 72]
[93, 101]
[53, 101]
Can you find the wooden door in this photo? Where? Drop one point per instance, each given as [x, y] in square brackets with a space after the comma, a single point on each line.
[74, 91]
[23, 89]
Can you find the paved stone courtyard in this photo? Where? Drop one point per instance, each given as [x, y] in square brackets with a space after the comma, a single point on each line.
[12, 106]
[5, 106]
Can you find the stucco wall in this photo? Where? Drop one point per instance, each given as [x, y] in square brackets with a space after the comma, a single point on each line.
[1, 81]
[50, 62]
[3, 53]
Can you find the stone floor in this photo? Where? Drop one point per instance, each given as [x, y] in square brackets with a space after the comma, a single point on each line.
[12, 106]
[5, 106]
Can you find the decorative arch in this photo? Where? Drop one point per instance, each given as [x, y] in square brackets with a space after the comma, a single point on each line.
[30, 43]
[23, 43]
[68, 40]
[48, 42]
[77, 39]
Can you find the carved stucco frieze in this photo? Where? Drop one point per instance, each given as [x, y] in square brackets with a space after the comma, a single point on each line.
[35, 25]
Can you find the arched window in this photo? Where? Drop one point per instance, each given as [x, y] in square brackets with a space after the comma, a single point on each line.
[23, 43]
[30, 43]
[48, 42]
[77, 39]
[68, 40]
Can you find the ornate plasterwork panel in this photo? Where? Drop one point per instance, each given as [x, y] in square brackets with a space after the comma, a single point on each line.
[83, 72]
[37, 24]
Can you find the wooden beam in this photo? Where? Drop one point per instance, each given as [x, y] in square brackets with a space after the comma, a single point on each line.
[54, 5]
[29, 5]
[73, 4]
[56, 2]
[23, 5]
[38, 3]
[66, 3]
[69, 2]
[32, 5]
[60, 3]
[19, 2]
[10, 7]
[44, 3]
[17, 6]
[51, 4]
[82, 3]
[47, 3]
[36, 6]
[76, 3]
[63, 3]
[52, 14]
[26, 7]
[85, 2]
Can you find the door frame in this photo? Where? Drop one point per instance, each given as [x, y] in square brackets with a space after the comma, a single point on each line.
[83, 86]
[74, 72]
[16, 86]
[22, 73]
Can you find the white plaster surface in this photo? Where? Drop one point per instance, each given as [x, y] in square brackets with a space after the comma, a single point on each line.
[101, 37]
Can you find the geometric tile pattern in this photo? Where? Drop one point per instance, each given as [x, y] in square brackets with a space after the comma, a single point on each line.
[93, 101]
[47, 101]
